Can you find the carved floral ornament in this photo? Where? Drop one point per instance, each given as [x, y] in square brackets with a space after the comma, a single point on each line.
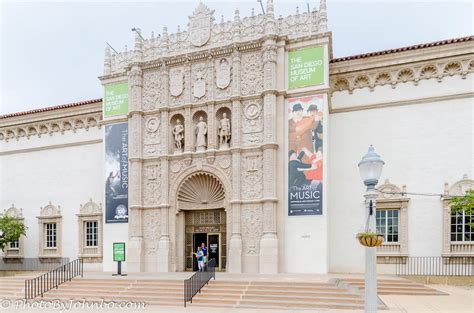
[459, 188]
[90, 208]
[390, 191]
[392, 77]
[50, 127]
[50, 210]
[14, 212]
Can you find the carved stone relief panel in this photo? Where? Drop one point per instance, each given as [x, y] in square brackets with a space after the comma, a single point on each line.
[152, 91]
[201, 81]
[252, 122]
[151, 184]
[151, 136]
[251, 73]
[178, 78]
[252, 176]
[251, 220]
[224, 162]
[223, 78]
[151, 231]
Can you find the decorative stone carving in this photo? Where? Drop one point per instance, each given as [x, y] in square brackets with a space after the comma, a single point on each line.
[14, 212]
[199, 86]
[201, 135]
[62, 125]
[252, 73]
[225, 161]
[200, 25]
[252, 176]
[176, 82]
[202, 190]
[152, 91]
[151, 230]
[252, 123]
[223, 73]
[390, 191]
[400, 74]
[176, 166]
[178, 135]
[251, 228]
[152, 136]
[151, 184]
[224, 132]
[50, 210]
[90, 207]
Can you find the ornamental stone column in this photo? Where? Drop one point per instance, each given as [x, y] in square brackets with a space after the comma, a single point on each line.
[136, 247]
[269, 242]
[164, 242]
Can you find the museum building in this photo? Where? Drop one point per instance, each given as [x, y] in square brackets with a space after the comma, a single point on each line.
[246, 135]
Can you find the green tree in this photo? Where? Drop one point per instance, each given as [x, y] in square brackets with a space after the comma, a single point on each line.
[11, 230]
[463, 204]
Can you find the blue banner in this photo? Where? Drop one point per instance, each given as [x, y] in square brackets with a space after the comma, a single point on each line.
[116, 173]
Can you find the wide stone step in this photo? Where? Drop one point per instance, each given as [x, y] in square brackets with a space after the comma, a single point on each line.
[294, 305]
[118, 297]
[339, 293]
[269, 287]
[302, 299]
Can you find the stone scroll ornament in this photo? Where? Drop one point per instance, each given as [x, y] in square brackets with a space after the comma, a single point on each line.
[201, 133]
[224, 132]
[178, 134]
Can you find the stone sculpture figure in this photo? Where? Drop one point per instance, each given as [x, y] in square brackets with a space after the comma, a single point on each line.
[201, 132]
[224, 132]
[178, 133]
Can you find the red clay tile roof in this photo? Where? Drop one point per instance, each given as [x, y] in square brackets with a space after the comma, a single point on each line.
[402, 49]
[52, 108]
[348, 58]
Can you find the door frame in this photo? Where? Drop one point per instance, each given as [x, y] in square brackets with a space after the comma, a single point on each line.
[219, 235]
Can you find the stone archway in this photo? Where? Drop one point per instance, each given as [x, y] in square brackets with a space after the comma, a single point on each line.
[201, 203]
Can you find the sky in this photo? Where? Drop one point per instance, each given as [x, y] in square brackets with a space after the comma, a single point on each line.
[52, 51]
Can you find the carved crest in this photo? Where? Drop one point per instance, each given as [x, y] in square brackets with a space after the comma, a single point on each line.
[199, 87]
[176, 83]
[223, 74]
[200, 25]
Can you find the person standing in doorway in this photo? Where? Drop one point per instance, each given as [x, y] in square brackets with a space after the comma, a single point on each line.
[200, 259]
[204, 251]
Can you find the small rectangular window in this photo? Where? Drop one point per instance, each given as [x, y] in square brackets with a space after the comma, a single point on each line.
[91, 234]
[461, 230]
[50, 235]
[15, 244]
[387, 224]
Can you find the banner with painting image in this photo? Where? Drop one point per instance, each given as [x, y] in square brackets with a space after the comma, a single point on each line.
[305, 155]
[116, 173]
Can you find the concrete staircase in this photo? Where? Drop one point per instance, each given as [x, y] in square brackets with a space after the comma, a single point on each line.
[13, 287]
[393, 287]
[279, 295]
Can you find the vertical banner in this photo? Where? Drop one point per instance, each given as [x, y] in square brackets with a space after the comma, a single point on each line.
[306, 67]
[116, 173]
[115, 99]
[305, 153]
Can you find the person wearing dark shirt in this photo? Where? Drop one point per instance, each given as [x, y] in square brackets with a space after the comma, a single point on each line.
[296, 168]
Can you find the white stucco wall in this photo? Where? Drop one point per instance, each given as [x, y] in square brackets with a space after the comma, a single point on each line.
[50, 170]
[423, 145]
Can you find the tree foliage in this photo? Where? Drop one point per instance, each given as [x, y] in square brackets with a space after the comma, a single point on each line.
[463, 204]
[11, 230]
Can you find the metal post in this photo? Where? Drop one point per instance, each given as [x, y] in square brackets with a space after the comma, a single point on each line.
[371, 301]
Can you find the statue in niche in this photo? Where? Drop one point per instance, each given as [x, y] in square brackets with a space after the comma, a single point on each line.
[178, 133]
[201, 132]
[224, 132]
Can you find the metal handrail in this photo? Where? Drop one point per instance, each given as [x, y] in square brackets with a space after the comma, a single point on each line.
[39, 285]
[194, 284]
[435, 266]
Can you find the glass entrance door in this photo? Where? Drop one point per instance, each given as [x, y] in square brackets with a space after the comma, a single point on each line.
[213, 248]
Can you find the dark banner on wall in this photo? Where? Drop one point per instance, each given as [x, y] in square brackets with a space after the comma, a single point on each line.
[116, 173]
[305, 153]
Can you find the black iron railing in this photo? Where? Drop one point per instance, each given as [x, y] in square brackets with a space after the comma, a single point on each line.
[435, 266]
[31, 264]
[36, 287]
[194, 284]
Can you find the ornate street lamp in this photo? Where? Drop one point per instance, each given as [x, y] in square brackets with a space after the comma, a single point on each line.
[370, 168]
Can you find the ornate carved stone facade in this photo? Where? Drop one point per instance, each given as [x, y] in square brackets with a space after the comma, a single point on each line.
[189, 82]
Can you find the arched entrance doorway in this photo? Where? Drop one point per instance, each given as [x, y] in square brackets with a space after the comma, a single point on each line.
[201, 198]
